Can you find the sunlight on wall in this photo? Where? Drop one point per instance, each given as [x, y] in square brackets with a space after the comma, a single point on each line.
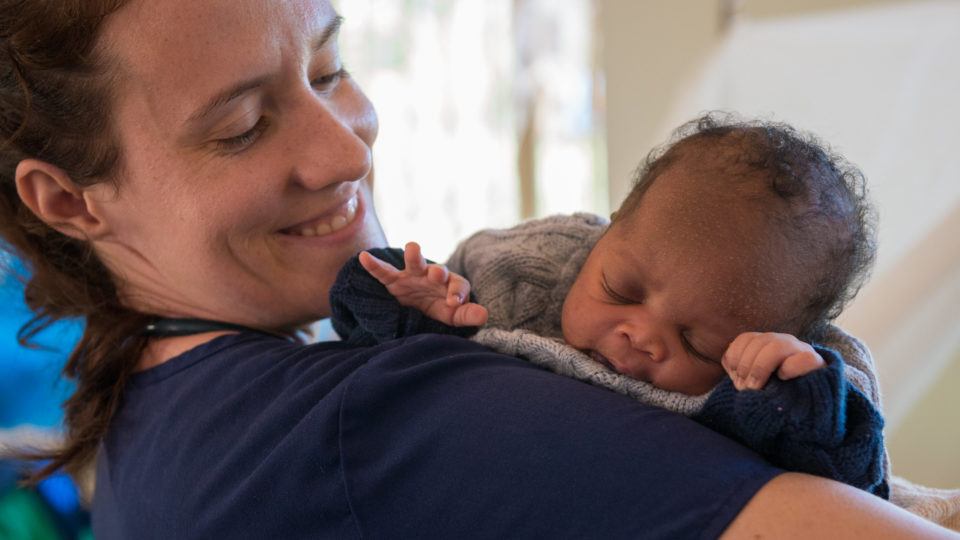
[454, 83]
[925, 448]
[879, 84]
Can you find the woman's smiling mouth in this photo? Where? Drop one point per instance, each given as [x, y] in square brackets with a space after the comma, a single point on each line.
[326, 224]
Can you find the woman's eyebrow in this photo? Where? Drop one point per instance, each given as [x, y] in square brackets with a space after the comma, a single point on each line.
[328, 31]
[242, 87]
[226, 96]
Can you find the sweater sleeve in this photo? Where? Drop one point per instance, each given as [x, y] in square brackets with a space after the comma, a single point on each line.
[365, 313]
[817, 424]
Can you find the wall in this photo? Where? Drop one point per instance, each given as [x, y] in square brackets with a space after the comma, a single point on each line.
[877, 79]
[926, 446]
[650, 50]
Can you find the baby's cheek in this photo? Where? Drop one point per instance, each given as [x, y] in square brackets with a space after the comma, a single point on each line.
[576, 328]
[566, 328]
[707, 376]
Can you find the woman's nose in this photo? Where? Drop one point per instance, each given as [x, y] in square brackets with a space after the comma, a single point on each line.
[332, 142]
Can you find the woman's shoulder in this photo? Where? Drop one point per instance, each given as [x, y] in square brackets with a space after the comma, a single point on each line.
[426, 434]
[382, 440]
[236, 420]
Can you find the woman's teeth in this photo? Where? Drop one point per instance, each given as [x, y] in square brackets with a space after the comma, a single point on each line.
[330, 224]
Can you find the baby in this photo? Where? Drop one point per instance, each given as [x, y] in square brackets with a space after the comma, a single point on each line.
[736, 247]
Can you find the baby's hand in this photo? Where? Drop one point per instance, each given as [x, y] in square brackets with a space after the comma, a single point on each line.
[429, 288]
[754, 356]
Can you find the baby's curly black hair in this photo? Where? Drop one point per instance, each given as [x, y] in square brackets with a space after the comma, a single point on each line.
[825, 217]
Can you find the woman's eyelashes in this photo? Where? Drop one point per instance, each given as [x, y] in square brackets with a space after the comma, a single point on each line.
[328, 82]
[244, 140]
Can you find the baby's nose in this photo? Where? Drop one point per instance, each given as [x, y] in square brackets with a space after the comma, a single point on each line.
[649, 341]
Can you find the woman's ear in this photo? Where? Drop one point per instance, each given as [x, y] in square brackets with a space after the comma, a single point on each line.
[50, 193]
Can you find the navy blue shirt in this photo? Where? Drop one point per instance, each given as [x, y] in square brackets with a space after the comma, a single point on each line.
[816, 424]
[248, 436]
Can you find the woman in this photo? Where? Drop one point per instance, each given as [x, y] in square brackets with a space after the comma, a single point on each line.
[171, 160]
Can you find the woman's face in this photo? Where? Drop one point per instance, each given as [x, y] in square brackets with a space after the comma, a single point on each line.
[246, 159]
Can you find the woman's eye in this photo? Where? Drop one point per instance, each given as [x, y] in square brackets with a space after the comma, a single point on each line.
[245, 139]
[327, 82]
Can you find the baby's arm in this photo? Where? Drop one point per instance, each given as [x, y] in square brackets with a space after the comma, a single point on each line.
[430, 288]
[753, 356]
[364, 312]
[808, 419]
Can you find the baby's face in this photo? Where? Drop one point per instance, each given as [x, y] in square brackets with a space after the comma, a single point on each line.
[641, 320]
[665, 291]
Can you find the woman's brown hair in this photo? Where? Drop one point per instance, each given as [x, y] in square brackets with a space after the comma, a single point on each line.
[55, 100]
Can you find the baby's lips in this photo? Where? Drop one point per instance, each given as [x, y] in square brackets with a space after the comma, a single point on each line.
[602, 360]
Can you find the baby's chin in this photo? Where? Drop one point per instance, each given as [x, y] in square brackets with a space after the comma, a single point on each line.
[691, 391]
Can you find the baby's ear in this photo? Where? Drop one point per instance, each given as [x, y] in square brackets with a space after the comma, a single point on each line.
[50, 193]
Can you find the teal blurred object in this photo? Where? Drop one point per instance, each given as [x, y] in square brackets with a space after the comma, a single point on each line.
[31, 389]
[23, 517]
[49, 511]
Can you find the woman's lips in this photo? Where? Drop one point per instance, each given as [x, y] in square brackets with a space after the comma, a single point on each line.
[326, 224]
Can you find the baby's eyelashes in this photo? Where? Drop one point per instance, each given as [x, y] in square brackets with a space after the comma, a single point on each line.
[614, 295]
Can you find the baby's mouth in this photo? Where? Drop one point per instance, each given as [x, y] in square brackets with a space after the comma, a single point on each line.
[602, 360]
[326, 224]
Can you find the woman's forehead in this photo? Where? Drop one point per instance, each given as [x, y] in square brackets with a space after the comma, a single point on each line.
[177, 52]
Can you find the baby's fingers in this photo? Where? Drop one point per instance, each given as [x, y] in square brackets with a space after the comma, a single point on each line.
[416, 265]
[383, 271]
[736, 362]
[458, 290]
[766, 352]
[470, 314]
[800, 363]
[438, 273]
